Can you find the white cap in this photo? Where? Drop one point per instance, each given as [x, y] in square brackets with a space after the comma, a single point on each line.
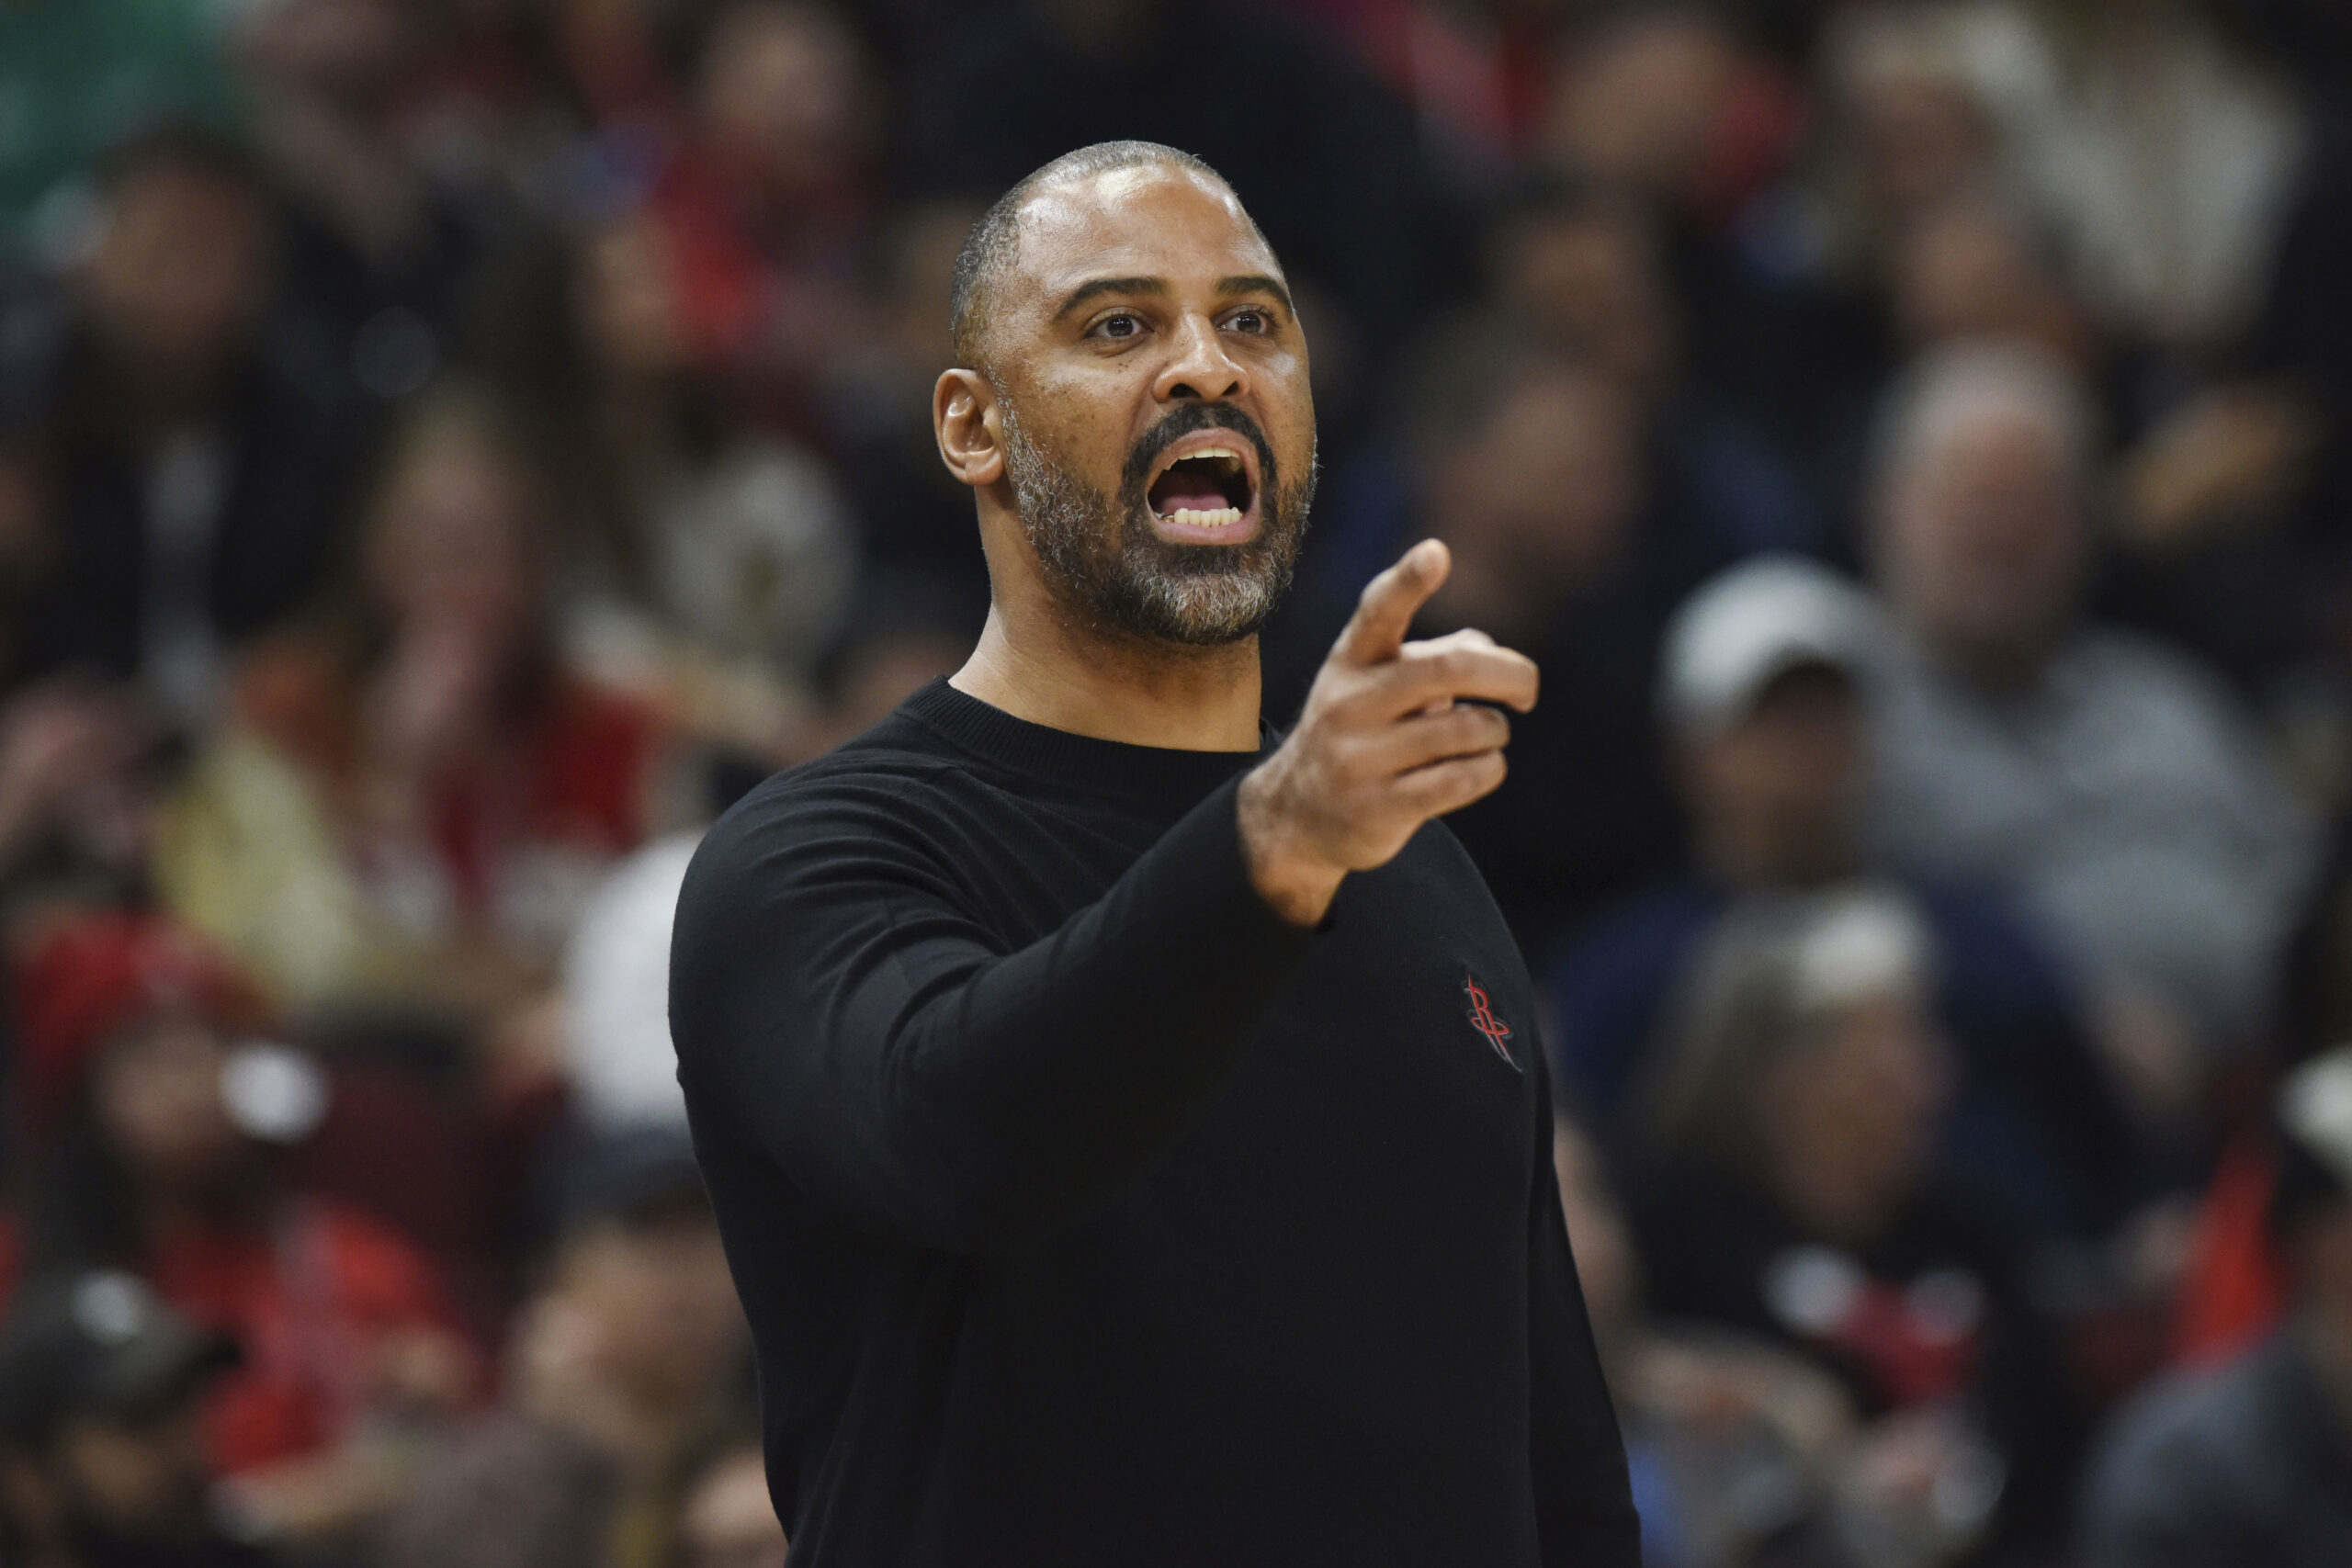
[1749, 627]
[2315, 1104]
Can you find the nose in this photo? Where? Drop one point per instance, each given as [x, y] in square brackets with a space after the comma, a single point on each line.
[1199, 370]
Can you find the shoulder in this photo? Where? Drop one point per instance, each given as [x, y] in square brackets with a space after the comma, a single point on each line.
[2194, 1442]
[888, 780]
[877, 807]
[2117, 664]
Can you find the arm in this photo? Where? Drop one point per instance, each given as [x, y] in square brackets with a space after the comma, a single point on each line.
[831, 994]
[835, 1005]
[1584, 1505]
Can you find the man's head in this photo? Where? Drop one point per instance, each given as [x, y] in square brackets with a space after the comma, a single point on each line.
[1803, 1058]
[99, 1439]
[1131, 399]
[639, 1296]
[1531, 470]
[1761, 691]
[179, 264]
[1981, 471]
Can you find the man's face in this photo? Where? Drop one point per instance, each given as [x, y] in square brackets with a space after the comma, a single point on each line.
[1986, 538]
[179, 270]
[1548, 484]
[666, 1321]
[1777, 791]
[1158, 433]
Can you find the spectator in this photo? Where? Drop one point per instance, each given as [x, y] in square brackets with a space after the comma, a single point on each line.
[383, 246]
[187, 471]
[167, 1130]
[2165, 161]
[102, 1461]
[1532, 472]
[82, 767]
[2111, 786]
[416, 791]
[1786, 1188]
[764, 203]
[1909, 132]
[2250, 1464]
[83, 74]
[727, 1521]
[1580, 270]
[622, 1368]
[1732, 1443]
[1761, 693]
[713, 561]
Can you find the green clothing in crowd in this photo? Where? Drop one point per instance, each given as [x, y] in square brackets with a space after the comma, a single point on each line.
[76, 75]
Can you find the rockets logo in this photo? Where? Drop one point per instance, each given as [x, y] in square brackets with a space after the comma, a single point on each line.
[1482, 1018]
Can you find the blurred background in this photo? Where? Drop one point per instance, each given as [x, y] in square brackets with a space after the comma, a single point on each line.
[451, 448]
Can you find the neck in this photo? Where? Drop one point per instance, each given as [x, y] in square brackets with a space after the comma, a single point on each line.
[1039, 662]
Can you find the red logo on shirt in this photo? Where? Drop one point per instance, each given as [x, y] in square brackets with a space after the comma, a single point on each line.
[1483, 1020]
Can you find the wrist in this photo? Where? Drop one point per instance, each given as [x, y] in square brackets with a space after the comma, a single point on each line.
[1295, 885]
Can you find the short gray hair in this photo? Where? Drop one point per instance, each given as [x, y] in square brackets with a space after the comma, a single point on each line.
[1950, 385]
[996, 237]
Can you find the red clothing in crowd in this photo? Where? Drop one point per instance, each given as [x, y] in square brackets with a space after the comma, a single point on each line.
[314, 1303]
[572, 773]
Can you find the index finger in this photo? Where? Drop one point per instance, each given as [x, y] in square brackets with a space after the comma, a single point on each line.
[1376, 631]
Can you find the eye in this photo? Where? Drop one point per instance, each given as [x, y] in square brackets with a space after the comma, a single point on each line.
[1120, 325]
[1249, 319]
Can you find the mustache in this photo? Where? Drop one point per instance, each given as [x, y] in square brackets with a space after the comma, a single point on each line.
[1182, 421]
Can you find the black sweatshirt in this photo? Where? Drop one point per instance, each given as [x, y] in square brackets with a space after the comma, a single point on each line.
[1090, 1215]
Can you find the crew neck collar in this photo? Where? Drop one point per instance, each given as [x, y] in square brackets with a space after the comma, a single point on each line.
[1082, 761]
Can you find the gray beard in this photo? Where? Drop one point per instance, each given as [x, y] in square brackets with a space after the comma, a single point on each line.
[1102, 559]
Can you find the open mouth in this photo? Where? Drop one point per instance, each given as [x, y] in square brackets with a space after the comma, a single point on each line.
[1210, 482]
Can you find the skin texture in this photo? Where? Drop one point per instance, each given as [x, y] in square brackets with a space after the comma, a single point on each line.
[1196, 311]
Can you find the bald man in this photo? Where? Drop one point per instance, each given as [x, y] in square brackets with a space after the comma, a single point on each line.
[1127, 1124]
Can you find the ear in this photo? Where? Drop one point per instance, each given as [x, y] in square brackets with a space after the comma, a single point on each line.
[969, 424]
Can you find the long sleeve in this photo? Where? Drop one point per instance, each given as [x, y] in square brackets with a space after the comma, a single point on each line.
[1584, 1504]
[836, 998]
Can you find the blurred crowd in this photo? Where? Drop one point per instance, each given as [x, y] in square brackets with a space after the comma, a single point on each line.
[451, 448]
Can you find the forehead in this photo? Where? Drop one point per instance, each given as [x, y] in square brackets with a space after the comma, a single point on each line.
[1152, 220]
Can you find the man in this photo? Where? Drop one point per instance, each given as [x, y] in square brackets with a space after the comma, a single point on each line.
[1127, 1129]
[2251, 1463]
[187, 467]
[626, 1367]
[101, 1453]
[2109, 786]
[1761, 695]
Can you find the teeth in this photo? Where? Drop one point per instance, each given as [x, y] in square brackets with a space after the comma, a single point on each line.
[1215, 517]
[1225, 456]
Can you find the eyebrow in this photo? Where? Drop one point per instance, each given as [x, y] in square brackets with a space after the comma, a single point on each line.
[1258, 283]
[1094, 287]
[1243, 283]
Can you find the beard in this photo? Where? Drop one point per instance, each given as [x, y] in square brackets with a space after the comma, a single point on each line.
[1102, 558]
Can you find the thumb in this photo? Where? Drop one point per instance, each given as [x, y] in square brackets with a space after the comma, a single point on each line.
[1376, 631]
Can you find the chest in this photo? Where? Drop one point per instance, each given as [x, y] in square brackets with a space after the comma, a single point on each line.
[1398, 1066]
